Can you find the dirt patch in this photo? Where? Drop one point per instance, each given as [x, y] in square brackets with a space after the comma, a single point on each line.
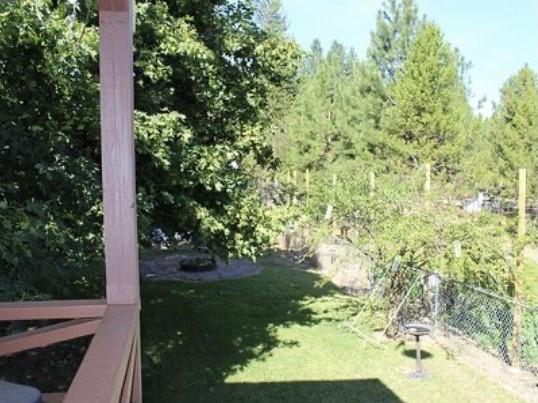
[167, 268]
[521, 383]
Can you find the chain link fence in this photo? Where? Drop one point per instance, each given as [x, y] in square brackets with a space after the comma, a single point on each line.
[479, 316]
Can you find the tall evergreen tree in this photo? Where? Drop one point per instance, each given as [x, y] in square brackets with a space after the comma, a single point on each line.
[270, 17]
[332, 119]
[515, 132]
[364, 105]
[428, 114]
[313, 57]
[396, 27]
[397, 24]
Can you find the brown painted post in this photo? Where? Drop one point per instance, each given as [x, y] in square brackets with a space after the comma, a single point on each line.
[116, 26]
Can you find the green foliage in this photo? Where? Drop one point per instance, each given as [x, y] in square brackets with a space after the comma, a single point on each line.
[399, 221]
[313, 58]
[506, 142]
[49, 186]
[396, 27]
[334, 114]
[514, 134]
[269, 16]
[428, 115]
[530, 332]
[198, 132]
[529, 280]
[204, 82]
[405, 106]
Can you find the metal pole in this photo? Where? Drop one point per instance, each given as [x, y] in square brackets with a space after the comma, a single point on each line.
[419, 357]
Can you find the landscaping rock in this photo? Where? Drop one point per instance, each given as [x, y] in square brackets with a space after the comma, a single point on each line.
[344, 264]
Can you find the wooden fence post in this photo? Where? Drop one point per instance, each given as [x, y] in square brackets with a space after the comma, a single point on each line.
[288, 196]
[372, 183]
[428, 182]
[520, 248]
[307, 185]
[294, 199]
[522, 205]
[335, 181]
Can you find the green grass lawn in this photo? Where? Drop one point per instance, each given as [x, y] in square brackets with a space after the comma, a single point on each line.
[277, 337]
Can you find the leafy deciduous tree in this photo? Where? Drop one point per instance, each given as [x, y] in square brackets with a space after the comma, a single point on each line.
[204, 73]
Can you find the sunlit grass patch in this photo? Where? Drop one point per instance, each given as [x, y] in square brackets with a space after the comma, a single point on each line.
[278, 337]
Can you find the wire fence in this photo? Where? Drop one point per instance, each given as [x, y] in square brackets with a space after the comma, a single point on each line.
[479, 316]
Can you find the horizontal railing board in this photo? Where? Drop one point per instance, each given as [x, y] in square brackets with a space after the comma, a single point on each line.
[45, 336]
[53, 397]
[37, 310]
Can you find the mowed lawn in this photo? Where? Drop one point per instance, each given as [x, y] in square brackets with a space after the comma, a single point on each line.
[277, 337]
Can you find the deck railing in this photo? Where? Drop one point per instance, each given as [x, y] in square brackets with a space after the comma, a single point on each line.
[110, 370]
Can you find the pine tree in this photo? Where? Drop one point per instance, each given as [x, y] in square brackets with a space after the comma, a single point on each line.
[428, 114]
[397, 24]
[363, 108]
[515, 132]
[269, 16]
[313, 58]
[334, 114]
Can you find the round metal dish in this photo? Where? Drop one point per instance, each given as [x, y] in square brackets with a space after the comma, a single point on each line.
[417, 329]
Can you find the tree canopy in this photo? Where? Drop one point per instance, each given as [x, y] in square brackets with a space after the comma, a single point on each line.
[270, 17]
[223, 99]
[203, 79]
[514, 132]
[396, 27]
[428, 111]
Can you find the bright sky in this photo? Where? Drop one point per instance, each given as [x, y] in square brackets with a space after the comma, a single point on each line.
[498, 36]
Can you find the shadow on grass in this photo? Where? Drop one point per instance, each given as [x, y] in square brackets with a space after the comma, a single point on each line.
[195, 335]
[342, 391]
[412, 353]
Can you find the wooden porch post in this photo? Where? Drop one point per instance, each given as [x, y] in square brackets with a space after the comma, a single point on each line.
[117, 145]
[118, 164]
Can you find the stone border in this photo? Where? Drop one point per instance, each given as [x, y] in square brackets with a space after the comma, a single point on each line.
[165, 269]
